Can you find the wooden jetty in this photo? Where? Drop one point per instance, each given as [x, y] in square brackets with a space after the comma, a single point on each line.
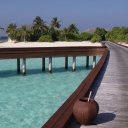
[110, 90]
[64, 113]
[22, 53]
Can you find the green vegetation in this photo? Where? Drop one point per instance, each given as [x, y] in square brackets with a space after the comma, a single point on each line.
[72, 29]
[45, 38]
[39, 31]
[12, 31]
[96, 38]
[38, 28]
[101, 32]
[55, 23]
[86, 36]
[118, 34]
[70, 34]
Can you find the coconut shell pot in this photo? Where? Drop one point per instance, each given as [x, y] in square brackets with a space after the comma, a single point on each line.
[85, 111]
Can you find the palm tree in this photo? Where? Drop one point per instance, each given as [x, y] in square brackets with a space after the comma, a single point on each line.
[39, 27]
[38, 22]
[11, 30]
[65, 33]
[55, 23]
[73, 29]
[24, 32]
[54, 32]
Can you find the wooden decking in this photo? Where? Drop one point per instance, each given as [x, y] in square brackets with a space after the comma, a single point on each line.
[110, 90]
[64, 113]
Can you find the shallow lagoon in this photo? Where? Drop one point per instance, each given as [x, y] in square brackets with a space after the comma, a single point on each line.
[29, 101]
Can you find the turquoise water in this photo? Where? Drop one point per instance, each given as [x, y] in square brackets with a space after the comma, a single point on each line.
[29, 101]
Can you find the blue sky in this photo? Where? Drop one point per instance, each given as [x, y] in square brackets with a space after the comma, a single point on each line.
[84, 13]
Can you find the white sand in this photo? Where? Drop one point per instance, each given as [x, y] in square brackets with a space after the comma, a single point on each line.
[123, 43]
[46, 44]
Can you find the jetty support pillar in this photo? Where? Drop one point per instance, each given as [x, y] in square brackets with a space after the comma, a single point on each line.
[50, 65]
[18, 65]
[74, 63]
[87, 61]
[66, 62]
[24, 66]
[94, 61]
[43, 64]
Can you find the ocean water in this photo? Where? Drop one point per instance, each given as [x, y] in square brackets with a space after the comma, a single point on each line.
[29, 101]
[3, 39]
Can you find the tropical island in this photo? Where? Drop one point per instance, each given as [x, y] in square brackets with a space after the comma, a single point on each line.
[56, 54]
[39, 31]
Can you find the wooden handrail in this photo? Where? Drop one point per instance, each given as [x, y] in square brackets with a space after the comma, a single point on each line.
[63, 114]
[38, 52]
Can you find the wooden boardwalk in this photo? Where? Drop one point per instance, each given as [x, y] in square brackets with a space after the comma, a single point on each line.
[110, 90]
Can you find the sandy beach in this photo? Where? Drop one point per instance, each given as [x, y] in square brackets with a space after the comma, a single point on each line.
[123, 43]
[47, 44]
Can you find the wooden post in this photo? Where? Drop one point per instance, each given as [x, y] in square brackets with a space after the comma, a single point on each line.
[43, 64]
[18, 65]
[74, 63]
[94, 61]
[66, 62]
[87, 61]
[50, 65]
[24, 66]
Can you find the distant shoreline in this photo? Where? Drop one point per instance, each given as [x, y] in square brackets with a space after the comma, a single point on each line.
[3, 39]
[123, 43]
[47, 44]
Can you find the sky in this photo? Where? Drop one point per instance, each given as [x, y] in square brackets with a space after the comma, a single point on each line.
[85, 14]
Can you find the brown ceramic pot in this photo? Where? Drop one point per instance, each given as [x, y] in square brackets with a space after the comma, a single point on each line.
[85, 111]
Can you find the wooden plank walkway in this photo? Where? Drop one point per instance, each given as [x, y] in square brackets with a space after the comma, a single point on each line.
[111, 91]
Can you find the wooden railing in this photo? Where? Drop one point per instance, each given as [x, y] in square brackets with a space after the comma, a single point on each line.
[38, 52]
[63, 114]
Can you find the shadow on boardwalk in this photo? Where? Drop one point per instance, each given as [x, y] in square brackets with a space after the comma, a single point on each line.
[102, 117]
[99, 78]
